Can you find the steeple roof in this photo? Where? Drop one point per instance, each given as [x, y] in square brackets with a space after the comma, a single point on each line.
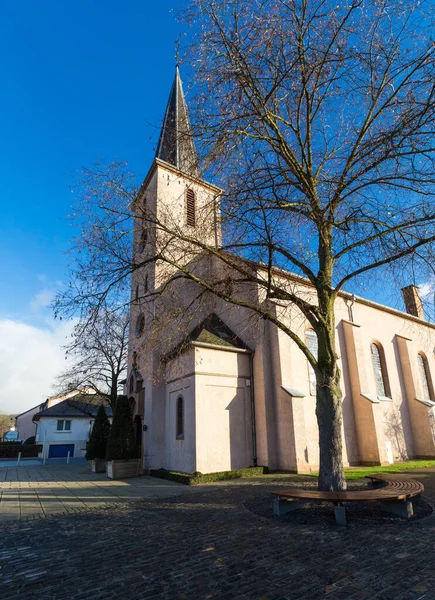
[176, 145]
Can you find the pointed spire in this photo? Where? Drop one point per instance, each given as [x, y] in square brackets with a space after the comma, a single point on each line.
[176, 145]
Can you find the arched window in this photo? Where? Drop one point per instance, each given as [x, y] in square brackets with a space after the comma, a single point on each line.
[190, 208]
[380, 370]
[131, 384]
[140, 325]
[180, 418]
[313, 345]
[426, 383]
[143, 240]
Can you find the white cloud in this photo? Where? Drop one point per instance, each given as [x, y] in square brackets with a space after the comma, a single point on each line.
[41, 300]
[427, 288]
[30, 359]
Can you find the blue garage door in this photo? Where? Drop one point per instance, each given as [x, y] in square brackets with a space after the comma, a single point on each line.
[60, 450]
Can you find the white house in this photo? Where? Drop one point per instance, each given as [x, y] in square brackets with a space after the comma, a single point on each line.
[65, 427]
[24, 422]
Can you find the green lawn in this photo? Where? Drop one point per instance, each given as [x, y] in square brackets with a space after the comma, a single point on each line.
[360, 472]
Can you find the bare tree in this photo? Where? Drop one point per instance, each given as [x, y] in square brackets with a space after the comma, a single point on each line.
[318, 120]
[6, 422]
[98, 353]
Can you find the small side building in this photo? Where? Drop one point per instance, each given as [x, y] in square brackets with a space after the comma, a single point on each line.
[24, 423]
[66, 427]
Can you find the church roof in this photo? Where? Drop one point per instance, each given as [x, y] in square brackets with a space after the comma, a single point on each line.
[176, 145]
[212, 330]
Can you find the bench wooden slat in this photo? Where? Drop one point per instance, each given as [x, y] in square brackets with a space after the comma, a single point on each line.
[395, 489]
[394, 496]
[308, 494]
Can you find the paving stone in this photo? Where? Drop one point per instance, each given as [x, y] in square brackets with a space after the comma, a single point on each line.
[205, 544]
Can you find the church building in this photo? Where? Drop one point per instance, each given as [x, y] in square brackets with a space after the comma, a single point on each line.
[231, 391]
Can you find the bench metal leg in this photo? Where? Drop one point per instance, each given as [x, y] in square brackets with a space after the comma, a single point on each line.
[402, 508]
[340, 514]
[281, 507]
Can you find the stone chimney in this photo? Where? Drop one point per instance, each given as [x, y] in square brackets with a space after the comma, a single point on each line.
[413, 303]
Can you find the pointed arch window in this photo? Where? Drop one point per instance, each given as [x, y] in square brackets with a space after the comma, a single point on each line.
[380, 371]
[131, 384]
[140, 325]
[313, 347]
[190, 207]
[143, 240]
[180, 418]
[425, 379]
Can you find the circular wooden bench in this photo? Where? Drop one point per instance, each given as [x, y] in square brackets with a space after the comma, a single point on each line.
[394, 492]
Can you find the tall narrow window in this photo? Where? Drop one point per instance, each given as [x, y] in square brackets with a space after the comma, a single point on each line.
[190, 207]
[136, 294]
[380, 371]
[424, 377]
[146, 284]
[140, 325]
[131, 384]
[180, 418]
[143, 240]
[312, 344]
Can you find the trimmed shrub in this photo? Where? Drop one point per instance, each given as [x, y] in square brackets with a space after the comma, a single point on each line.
[96, 447]
[198, 477]
[30, 440]
[121, 444]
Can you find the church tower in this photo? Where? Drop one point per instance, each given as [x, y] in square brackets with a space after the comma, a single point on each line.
[174, 205]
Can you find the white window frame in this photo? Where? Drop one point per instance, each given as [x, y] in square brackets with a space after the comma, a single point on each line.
[382, 382]
[313, 346]
[424, 377]
[63, 428]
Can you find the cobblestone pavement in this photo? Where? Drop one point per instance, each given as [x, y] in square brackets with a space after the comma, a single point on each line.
[29, 492]
[206, 545]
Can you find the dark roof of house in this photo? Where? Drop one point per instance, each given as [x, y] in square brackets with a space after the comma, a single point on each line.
[72, 408]
[176, 145]
[212, 330]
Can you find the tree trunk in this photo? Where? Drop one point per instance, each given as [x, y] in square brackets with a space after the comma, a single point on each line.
[113, 394]
[328, 398]
[329, 419]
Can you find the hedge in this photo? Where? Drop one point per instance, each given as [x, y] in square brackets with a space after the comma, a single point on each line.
[10, 443]
[198, 478]
[27, 450]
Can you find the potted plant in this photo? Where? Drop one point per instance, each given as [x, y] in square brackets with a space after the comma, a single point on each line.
[96, 447]
[122, 461]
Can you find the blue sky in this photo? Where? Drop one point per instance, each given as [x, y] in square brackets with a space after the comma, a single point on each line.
[79, 81]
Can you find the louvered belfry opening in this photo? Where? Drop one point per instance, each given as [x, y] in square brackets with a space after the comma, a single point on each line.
[190, 207]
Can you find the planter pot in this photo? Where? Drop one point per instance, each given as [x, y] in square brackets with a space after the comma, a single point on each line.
[98, 465]
[123, 469]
